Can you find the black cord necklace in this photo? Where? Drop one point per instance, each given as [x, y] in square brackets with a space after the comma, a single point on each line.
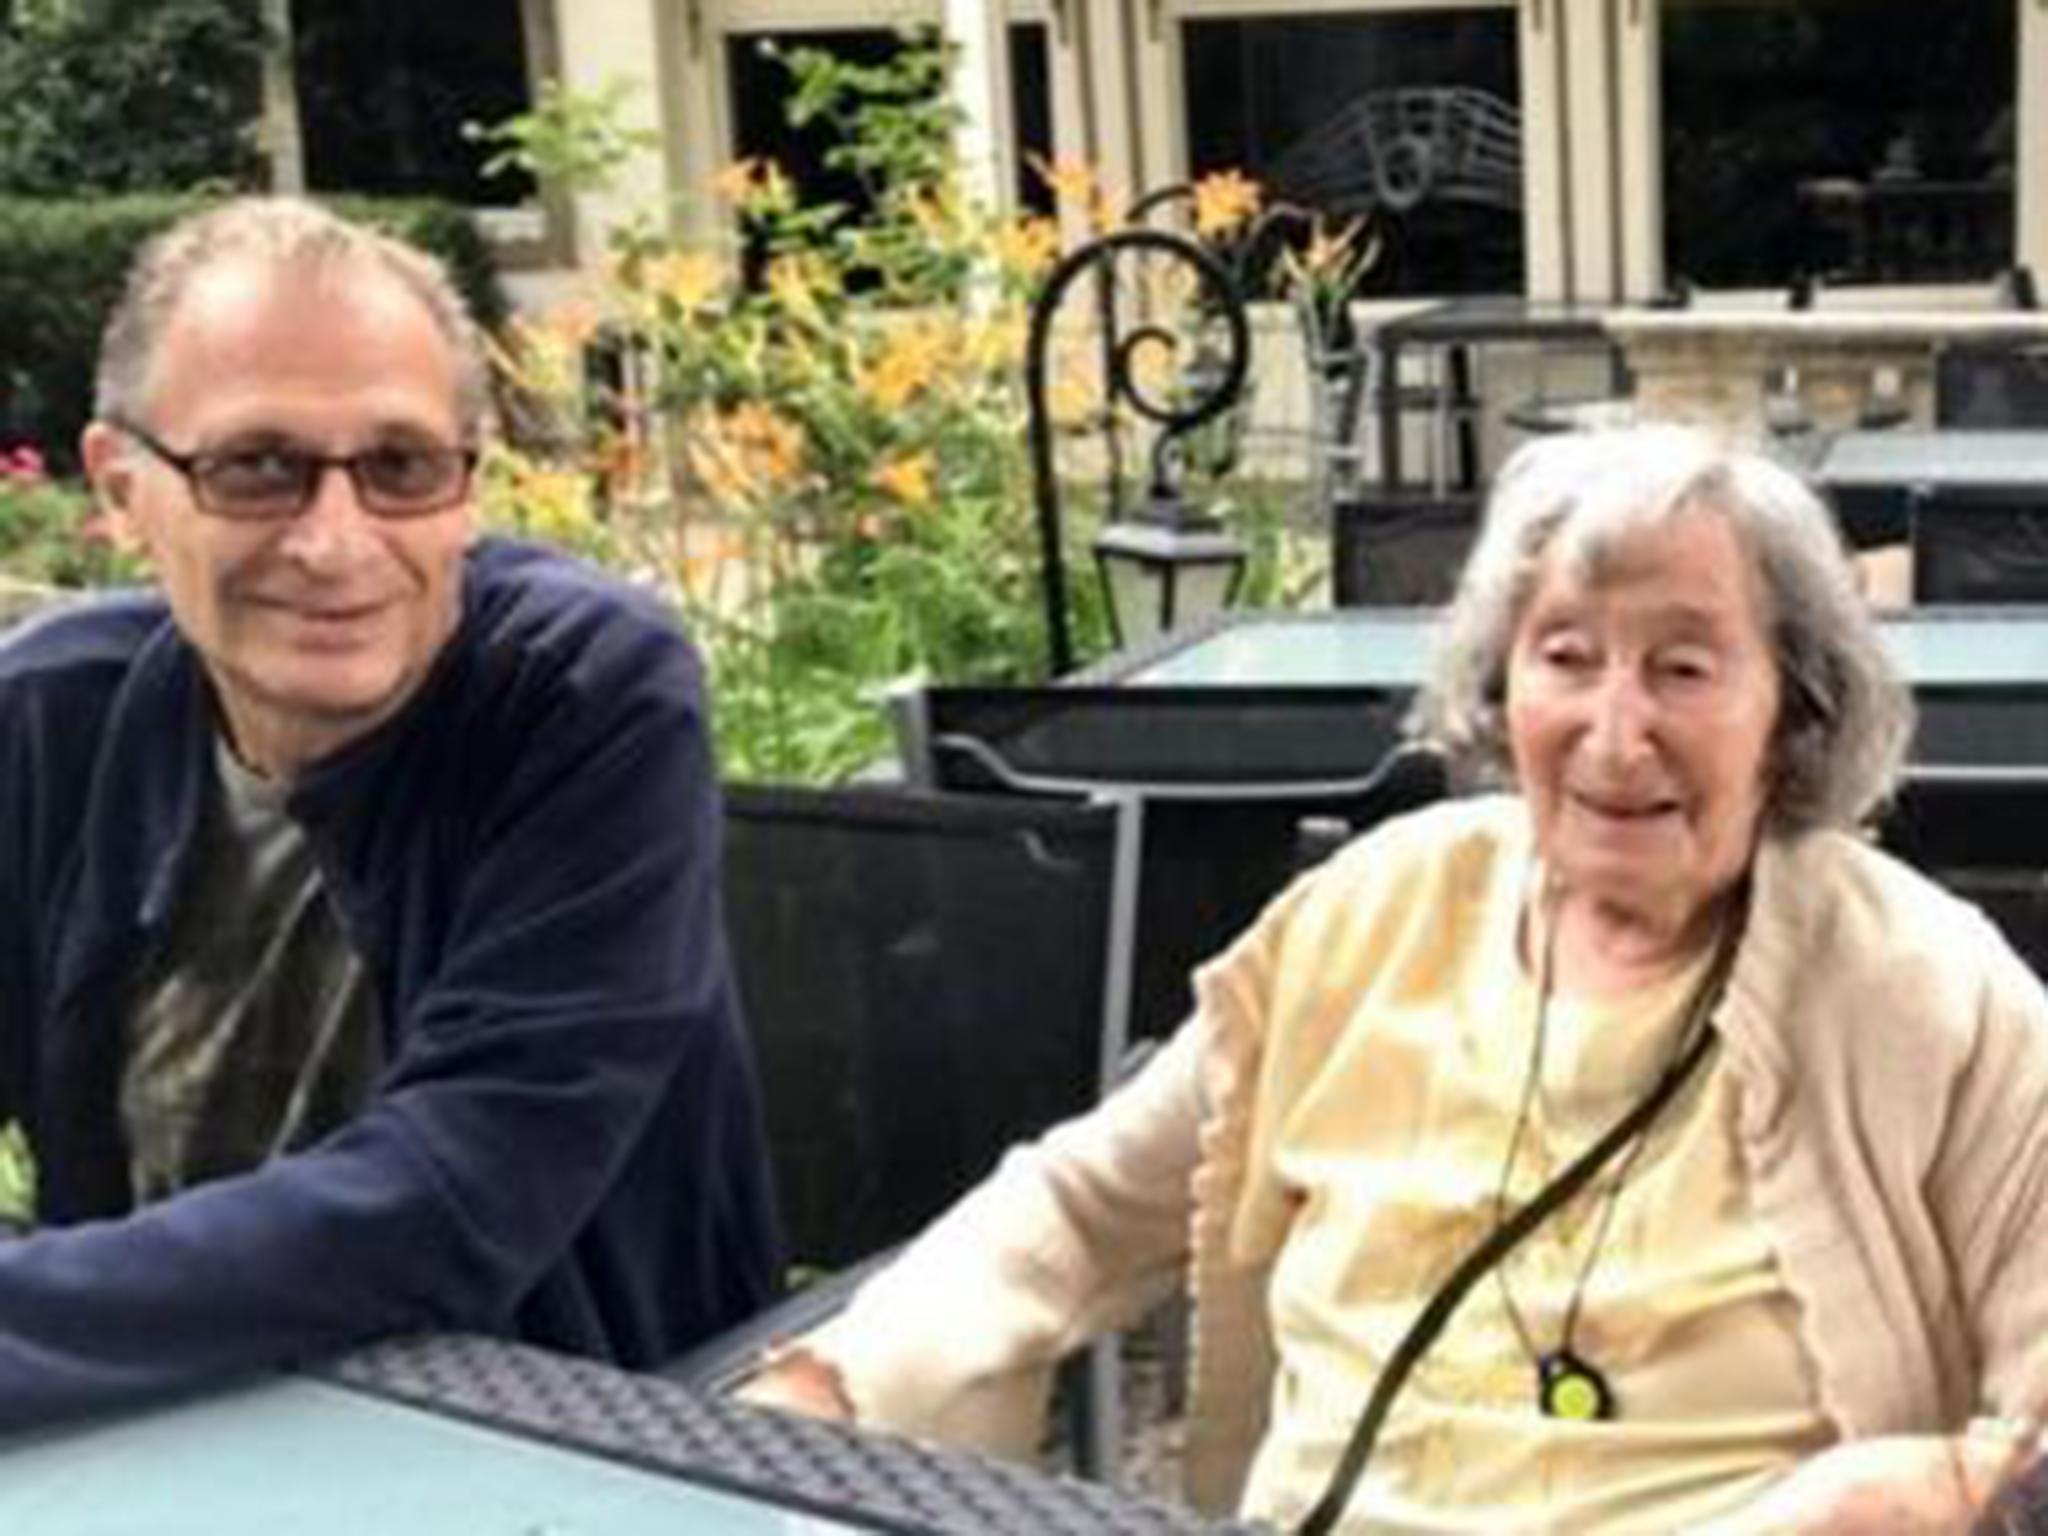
[1437, 1312]
[1568, 1385]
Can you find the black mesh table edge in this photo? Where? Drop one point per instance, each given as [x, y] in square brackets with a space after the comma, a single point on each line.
[893, 1484]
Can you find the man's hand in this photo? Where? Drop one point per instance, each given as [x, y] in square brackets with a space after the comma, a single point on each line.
[1896, 1485]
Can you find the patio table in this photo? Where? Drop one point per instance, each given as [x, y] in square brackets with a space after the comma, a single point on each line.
[485, 1438]
[1874, 477]
[1979, 675]
[1234, 733]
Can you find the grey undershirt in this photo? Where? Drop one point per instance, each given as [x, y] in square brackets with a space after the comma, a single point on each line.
[254, 1031]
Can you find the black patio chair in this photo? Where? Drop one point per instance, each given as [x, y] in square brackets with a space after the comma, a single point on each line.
[1979, 545]
[1399, 549]
[1983, 833]
[1991, 384]
[927, 979]
[1242, 788]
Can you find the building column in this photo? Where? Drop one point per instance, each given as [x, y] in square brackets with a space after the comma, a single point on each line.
[1546, 147]
[1106, 36]
[2030, 157]
[1639, 125]
[1583, 61]
[603, 41]
[979, 30]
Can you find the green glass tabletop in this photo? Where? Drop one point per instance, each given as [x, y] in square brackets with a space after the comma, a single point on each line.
[308, 1458]
[1900, 458]
[1367, 648]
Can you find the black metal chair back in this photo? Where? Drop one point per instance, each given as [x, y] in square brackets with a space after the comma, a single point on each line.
[1991, 384]
[1979, 546]
[1984, 835]
[927, 980]
[1400, 550]
[1225, 827]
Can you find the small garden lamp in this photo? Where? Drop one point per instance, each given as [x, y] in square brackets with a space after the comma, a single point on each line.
[1167, 565]
[1166, 562]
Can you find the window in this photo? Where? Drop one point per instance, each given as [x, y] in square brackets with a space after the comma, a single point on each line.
[1411, 117]
[1031, 126]
[1859, 141]
[761, 87]
[385, 86]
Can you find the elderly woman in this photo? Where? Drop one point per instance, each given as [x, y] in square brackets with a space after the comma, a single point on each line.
[1815, 1248]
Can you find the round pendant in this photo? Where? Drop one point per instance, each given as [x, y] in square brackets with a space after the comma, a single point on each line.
[1568, 1388]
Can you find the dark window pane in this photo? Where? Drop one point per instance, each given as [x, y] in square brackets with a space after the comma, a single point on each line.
[1849, 140]
[1410, 117]
[761, 85]
[385, 87]
[1031, 114]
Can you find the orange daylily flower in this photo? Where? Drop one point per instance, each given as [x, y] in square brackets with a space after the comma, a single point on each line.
[796, 282]
[1071, 181]
[1028, 246]
[735, 182]
[1328, 251]
[910, 360]
[545, 356]
[1074, 185]
[692, 279]
[752, 183]
[1224, 200]
[745, 453]
[907, 479]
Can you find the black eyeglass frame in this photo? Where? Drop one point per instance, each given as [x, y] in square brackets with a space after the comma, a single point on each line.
[194, 468]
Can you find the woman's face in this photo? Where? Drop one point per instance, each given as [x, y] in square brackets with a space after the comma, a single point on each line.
[1641, 704]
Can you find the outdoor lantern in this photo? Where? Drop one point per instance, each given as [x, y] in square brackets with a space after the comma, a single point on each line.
[1166, 566]
[1167, 563]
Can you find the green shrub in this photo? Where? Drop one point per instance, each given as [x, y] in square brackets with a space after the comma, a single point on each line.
[49, 536]
[130, 95]
[17, 1176]
[62, 262]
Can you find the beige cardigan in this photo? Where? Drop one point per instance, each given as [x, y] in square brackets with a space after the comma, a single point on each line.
[1891, 1057]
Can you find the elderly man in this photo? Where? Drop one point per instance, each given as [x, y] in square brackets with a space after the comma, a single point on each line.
[360, 959]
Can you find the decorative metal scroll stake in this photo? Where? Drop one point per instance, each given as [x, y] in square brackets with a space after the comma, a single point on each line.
[1154, 291]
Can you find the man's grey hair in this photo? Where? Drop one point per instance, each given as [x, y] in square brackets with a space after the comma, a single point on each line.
[278, 232]
[1844, 715]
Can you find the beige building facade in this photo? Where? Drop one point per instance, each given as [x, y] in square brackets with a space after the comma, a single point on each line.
[1130, 87]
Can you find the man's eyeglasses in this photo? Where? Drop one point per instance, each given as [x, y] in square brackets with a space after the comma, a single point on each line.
[270, 482]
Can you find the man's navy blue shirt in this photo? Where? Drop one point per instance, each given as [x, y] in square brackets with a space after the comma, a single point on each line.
[565, 1145]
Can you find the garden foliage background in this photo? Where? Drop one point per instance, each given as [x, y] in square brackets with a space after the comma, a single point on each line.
[810, 435]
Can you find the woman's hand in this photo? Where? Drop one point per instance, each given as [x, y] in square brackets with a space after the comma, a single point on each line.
[1895, 1485]
[795, 1380]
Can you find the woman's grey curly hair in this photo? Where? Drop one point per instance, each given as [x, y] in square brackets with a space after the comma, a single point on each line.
[1845, 716]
